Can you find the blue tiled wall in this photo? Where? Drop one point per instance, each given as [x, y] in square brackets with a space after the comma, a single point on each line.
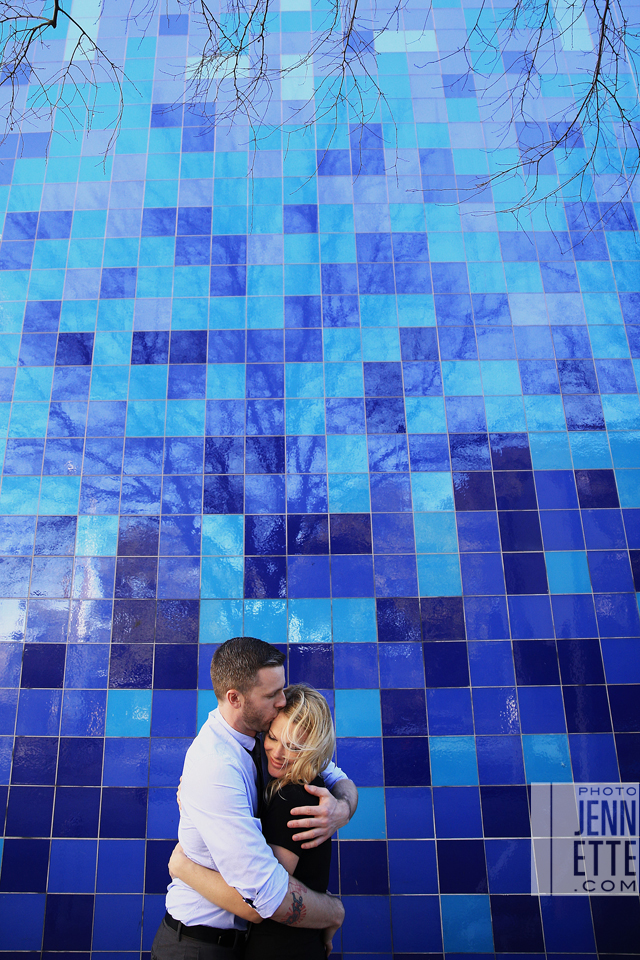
[326, 407]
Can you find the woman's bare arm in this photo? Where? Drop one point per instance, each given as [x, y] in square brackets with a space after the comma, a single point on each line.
[210, 885]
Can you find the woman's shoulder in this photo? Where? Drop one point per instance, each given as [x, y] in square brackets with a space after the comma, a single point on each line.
[296, 794]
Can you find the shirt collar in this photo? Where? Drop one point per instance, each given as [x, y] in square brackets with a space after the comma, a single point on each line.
[247, 742]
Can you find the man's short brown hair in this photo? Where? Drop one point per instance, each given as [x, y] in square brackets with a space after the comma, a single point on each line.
[236, 663]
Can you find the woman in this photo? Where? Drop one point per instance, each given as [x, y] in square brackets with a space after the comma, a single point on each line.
[298, 745]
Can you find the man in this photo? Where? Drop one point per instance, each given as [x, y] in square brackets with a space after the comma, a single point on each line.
[219, 826]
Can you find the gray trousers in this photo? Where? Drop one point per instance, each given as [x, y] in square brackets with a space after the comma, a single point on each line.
[168, 945]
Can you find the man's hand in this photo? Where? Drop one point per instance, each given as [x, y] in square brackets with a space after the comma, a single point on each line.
[178, 859]
[322, 820]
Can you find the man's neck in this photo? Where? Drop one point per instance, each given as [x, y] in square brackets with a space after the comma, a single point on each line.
[235, 721]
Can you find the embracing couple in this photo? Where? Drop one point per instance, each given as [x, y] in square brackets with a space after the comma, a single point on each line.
[240, 858]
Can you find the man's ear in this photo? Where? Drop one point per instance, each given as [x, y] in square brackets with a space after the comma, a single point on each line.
[234, 699]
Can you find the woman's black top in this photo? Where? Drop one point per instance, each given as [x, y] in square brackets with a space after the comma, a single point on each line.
[276, 941]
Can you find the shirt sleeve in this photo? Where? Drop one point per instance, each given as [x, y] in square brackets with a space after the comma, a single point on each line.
[218, 806]
[278, 813]
[331, 774]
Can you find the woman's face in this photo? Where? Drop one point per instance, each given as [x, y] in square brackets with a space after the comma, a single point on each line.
[279, 753]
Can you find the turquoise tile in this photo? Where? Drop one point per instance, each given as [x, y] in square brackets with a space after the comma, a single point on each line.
[546, 758]
[439, 574]
[266, 619]
[435, 532]
[349, 493]
[431, 491]
[219, 620]
[19, 495]
[368, 822]
[304, 417]
[461, 378]
[128, 713]
[358, 713]
[309, 621]
[354, 620]
[568, 572]
[222, 577]
[97, 536]
[425, 415]
[453, 761]
[304, 380]
[347, 453]
[59, 495]
[466, 923]
[222, 535]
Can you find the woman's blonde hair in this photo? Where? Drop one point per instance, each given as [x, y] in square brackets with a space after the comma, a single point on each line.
[309, 731]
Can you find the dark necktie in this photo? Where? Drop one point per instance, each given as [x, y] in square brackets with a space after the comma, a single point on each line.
[256, 755]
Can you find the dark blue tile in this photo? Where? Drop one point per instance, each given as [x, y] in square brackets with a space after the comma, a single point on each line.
[130, 666]
[461, 866]
[124, 812]
[134, 621]
[446, 664]
[16, 256]
[150, 346]
[265, 578]
[138, 536]
[363, 756]
[525, 573]
[496, 343]
[339, 310]
[478, 531]
[264, 418]
[449, 278]
[177, 618]
[308, 576]
[29, 812]
[398, 619]
[191, 251]
[556, 489]
[393, 533]
[457, 343]
[307, 534]
[385, 415]
[302, 346]
[228, 250]
[558, 277]
[505, 811]
[23, 458]
[266, 494]
[491, 308]
[175, 666]
[410, 247]
[352, 576]
[382, 379]
[449, 712]
[418, 343]
[539, 377]
[466, 414]
[198, 139]
[226, 346]
[390, 491]
[265, 380]
[37, 350]
[406, 761]
[587, 709]
[596, 488]
[185, 455]
[561, 529]
[194, 220]
[615, 376]
[516, 924]
[223, 494]
[413, 278]
[515, 490]
[470, 451]
[34, 760]
[66, 419]
[225, 418]
[106, 419]
[311, 663]
[159, 222]
[571, 342]
[223, 455]
[300, 218]
[80, 761]
[530, 616]
[536, 662]
[302, 311]
[473, 491]
[375, 278]
[265, 535]
[43, 665]
[367, 163]
[265, 455]
[422, 379]
[363, 868]
[584, 413]
[42, 316]
[339, 278]
[24, 866]
[188, 346]
[486, 618]
[388, 454]
[118, 283]
[355, 666]
[166, 115]
[126, 762]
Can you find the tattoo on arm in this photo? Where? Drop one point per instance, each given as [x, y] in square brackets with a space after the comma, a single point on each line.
[297, 911]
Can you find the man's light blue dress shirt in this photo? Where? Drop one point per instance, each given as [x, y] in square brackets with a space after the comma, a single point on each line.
[219, 828]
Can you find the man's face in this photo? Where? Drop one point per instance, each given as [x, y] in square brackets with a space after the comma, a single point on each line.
[263, 702]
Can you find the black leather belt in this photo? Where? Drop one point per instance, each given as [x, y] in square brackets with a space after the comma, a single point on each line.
[223, 938]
